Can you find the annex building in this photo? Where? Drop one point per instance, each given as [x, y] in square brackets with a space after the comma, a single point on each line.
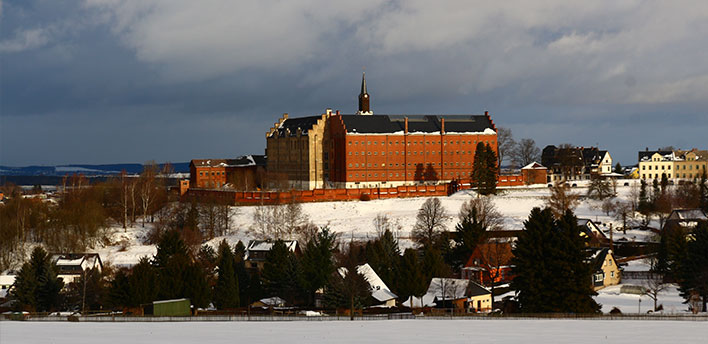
[364, 150]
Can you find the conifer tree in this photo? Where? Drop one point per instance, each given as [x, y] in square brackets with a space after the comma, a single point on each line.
[119, 290]
[550, 268]
[491, 171]
[618, 168]
[383, 255]
[411, 279]
[703, 190]
[281, 275]
[468, 234]
[317, 262]
[434, 264]
[226, 291]
[142, 282]
[37, 286]
[693, 270]
[242, 274]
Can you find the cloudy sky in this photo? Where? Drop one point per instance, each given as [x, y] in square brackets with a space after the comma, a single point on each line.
[104, 81]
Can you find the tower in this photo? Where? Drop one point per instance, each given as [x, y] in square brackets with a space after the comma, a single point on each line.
[364, 108]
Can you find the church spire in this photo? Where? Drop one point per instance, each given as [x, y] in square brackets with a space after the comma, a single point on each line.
[364, 108]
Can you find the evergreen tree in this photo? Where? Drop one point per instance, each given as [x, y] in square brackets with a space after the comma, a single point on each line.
[177, 274]
[484, 169]
[281, 275]
[693, 269]
[618, 169]
[226, 293]
[170, 244]
[411, 279]
[143, 284]
[317, 262]
[119, 290]
[664, 183]
[242, 274]
[383, 255]
[491, 170]
[550, 268]
[87, 292]
[37, 286]
[703, 190]
[434, 264]
[468, 234]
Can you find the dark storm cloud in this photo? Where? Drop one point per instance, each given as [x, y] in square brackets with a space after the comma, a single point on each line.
[115, 81]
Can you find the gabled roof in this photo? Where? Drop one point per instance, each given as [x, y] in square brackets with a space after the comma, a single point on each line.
[454, 289]
[598, 257]
[73, 263]
[242, 161]
[267, 245]
[291, 125]
[590, 228]
[534, 166]
[504, 253]
[389, 124]
[379, 289]
[647, 154]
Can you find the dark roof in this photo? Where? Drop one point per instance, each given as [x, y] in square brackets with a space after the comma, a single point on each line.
[647, 154]
[476, 289]
[242, 161]
[597, 257]
[382, 124]
[291, 125]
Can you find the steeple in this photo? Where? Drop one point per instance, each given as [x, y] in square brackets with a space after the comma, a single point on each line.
[364, 108]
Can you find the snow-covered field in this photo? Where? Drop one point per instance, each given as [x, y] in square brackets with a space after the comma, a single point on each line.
[354, 219]
[386, 331]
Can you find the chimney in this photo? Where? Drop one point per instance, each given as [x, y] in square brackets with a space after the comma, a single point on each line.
[442, 125]
[337, 112]
[328, 111]
[405, 129]
[646, 149]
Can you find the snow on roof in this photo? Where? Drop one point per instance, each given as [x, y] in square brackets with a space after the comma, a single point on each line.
[688, 214]
[448, 288]
[272, 301]
[267, 245]
[534, 166]
[61, 261]
[379, 289]
[168, 301]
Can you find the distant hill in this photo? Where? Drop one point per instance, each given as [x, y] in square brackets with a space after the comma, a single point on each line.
[87, 170]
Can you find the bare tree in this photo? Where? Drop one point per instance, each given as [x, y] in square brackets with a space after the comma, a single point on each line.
[505, 144]
[561, 199]
[430, 221]
[653, 286]
[525, 152]
[495, 255]
[487, 213]
[147, 187]
[623, 212]
[284, 221]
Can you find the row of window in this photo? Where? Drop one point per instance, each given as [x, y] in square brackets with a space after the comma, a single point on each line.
[356, 175]
[201, 174]
[411, 152]
[416, 142]
[411, 164]
[678, 175]
[690, 167]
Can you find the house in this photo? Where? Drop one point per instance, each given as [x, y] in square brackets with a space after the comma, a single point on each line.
[71, 266]
[270, 302]
[687, 219]
[592, 233]
[676, 165]
[534, 173]
[606, 272]
[243, 173]
[489, 264]
[7, 279]
[459, 294]
[257, 250]
[382, 295]
[575, 163]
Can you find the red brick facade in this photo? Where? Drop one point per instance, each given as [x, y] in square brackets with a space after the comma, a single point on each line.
[402, 157]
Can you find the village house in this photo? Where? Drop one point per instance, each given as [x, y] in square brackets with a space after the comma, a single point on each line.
[489, 264]
[461, 295]
[606, 272]
[380, 293]
[71, 266]
[677, 165]
[575, 163]
[592, 233]
[258, 250]
[243, 173]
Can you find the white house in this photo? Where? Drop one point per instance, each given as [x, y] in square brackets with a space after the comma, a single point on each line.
[379, 290]
[71, 266]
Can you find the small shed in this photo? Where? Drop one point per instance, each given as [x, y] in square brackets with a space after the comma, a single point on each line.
[171, 308]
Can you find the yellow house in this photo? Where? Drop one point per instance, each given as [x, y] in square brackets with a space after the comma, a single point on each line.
[676, 165]
[606, 272]
[690, 164]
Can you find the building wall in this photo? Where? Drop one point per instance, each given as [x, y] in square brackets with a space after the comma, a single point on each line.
[611, 271]
[534, 176]
[401, 158]
[674, 169]
[207, 176]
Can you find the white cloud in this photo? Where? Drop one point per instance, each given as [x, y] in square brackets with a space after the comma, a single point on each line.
[554, 51]
[25, 40]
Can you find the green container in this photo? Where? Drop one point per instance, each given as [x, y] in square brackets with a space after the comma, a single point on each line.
[171, 308]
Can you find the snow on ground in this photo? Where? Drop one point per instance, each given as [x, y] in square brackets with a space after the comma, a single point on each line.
[354, 219]
[610, 297]
[386, 331]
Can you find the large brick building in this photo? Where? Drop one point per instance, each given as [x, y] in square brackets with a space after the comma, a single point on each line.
[336, 150]
[243, 173]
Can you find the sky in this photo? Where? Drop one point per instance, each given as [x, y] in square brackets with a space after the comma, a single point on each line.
[107, 81]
